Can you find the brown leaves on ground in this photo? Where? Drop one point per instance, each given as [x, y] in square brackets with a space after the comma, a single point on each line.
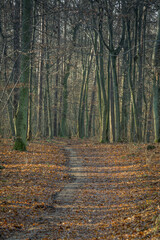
[28, 183]
[120, 198]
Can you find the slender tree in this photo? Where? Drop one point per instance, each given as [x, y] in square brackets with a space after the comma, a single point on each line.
[156, 86]
[113, 47]
[16, 73]
[32, 55]
[114, 52]
[40, 78]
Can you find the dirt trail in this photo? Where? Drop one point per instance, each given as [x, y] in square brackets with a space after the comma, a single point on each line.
[68, 194]
[57, 210]
[112, 196]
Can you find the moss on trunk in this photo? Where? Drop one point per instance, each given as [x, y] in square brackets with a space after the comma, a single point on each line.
[19, 145]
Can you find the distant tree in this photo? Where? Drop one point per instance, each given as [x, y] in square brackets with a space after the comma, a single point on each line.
[156, 83]
[84, 70]
[16, 72]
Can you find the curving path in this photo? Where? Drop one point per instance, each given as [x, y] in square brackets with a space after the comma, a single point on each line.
[106, 198]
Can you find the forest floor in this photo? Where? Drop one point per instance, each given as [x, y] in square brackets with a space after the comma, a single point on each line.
[74, 189]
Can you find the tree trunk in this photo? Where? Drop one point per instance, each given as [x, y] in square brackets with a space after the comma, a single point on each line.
[105, 106]
[156, 86]
[112, 115]
[140, 79]
[124, 96]
[29, 130]
[56, 124]
[133, 102]
[40, 80]
[92, 108]
[116, 99]
[64, 130]
[114, 53]
[50, 129]
[81, 130]
[16, 74]
[21, 116]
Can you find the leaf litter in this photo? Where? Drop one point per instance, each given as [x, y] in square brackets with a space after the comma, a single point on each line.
[119, 198]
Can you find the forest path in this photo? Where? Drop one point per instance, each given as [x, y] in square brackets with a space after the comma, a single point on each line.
[112, 195]
[68, 193]
[57, 210]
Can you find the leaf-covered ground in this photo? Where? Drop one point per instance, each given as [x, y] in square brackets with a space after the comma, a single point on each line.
[119, 199]
[28, 183]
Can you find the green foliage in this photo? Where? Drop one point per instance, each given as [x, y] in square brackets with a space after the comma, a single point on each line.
[2, 167]
[157, 140]
[19, 145]
[150, 147]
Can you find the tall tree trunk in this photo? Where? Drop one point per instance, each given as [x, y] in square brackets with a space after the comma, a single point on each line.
[64, 128]
[66, 73]
[21, 116]
[10, 105]
[156, 107]
[125, 96]
[50, 129]
[140, 79]
[56, 124]
[4, 65]
[40, 80]
[81, 130]
[114, 53]
[95, 43]
[133, 102]
[83, 104]
[92, 108]
[116, 99]
[145, 107]
[105, 106]
[112, 115]
[29, 130]
[149, 121]
[16, 75]
[156, 84]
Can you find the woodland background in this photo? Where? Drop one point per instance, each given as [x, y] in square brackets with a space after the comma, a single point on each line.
[80, 68]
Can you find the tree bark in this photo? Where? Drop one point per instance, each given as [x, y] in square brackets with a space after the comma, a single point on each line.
[29, 130]
[16, 73]
[156, 86]
[57, 80]
[114, 53]
[22, 111]
[40, 79]
[92, 108]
